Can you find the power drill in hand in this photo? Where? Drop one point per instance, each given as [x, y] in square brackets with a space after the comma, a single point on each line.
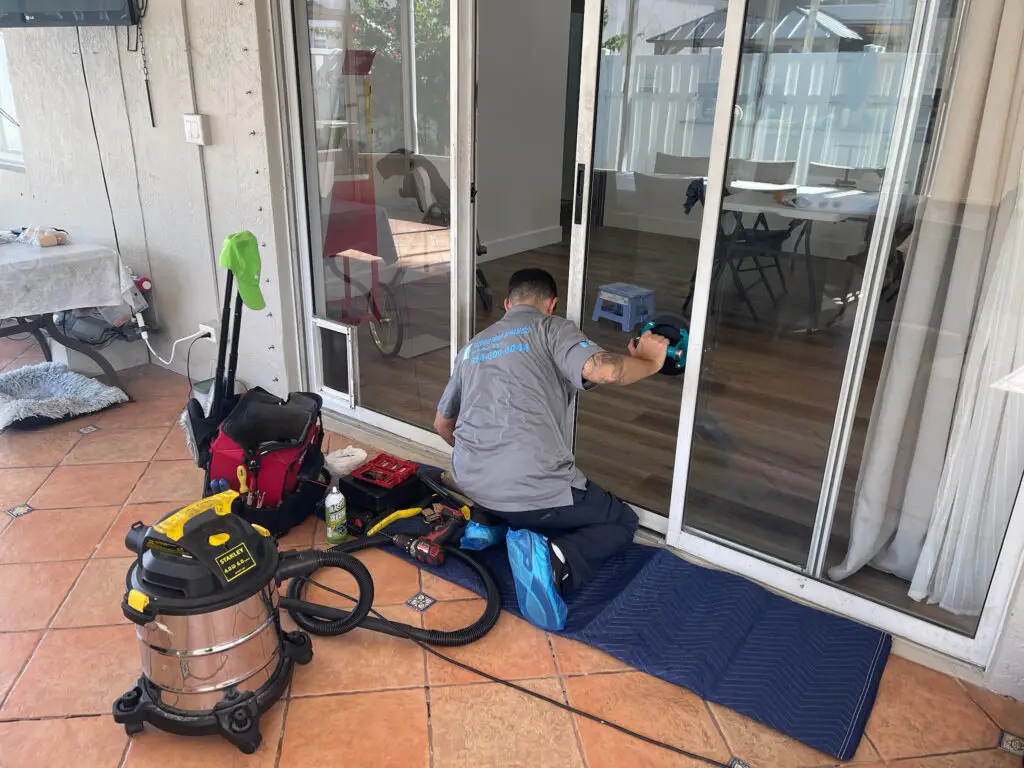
[419, 548]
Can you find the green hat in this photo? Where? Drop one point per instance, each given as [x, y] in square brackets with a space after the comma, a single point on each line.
[241, 255]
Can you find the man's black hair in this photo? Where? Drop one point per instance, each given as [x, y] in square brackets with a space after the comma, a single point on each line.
[535, 284]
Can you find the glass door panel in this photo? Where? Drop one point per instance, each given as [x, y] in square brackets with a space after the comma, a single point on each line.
[654, 108]
[816, 101]
[934, 464]
[381, 252]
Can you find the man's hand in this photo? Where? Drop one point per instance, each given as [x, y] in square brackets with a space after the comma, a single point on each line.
[651, 347]
[445, 427]
[645, 359]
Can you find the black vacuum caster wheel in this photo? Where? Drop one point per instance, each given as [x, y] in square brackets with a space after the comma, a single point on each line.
[132, 728]
[245, 732]
[298, 647]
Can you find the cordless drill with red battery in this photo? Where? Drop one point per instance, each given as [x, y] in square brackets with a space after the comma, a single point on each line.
[429, 548]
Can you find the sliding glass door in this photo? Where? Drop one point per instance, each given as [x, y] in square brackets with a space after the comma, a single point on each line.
[817, 190]
[762, 169]
[374, 78]
[814, 123]
[657, 76]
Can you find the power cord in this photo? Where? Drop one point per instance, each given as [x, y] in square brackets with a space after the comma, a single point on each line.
[188, 366]
[106, 338]
[145, 337]
[527, 691]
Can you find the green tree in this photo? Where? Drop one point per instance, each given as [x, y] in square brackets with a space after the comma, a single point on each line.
[376, 27]
[615, 43]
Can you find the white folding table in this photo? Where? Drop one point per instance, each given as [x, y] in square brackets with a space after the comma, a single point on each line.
[36, 282]
[825, 204]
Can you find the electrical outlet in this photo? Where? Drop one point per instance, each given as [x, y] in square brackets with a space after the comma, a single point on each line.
[211, 327]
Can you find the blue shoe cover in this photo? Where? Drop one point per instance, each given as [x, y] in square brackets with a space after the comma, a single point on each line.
[539, 601]
[476, 536]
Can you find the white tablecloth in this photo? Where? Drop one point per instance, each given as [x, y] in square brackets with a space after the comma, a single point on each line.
[36, 281]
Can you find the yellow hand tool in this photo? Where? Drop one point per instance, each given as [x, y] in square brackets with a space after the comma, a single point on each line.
[399, 515]
[243, 489]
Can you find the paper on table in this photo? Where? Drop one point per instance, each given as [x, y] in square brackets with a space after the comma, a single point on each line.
[844, 201]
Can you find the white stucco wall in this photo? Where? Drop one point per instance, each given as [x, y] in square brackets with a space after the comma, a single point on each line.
[86, 132]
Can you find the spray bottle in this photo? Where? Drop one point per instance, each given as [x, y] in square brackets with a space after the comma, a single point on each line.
[336, 516]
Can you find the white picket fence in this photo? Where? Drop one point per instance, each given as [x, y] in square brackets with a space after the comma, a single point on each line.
[832, 108]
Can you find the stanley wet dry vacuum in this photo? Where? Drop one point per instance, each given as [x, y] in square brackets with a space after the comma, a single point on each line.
[203, 594]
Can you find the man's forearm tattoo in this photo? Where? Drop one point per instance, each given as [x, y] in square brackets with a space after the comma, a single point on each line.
[604, 368]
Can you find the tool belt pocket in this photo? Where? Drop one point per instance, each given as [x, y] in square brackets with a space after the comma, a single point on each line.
[296, 505]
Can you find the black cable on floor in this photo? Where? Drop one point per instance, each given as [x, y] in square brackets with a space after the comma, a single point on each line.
[527, 691]
[188, 366]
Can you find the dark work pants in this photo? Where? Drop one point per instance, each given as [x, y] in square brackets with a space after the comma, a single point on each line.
[593, 529]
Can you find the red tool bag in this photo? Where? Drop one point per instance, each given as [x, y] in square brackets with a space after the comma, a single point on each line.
[275, 445]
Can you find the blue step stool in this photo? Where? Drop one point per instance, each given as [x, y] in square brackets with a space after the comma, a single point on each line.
[626, 304]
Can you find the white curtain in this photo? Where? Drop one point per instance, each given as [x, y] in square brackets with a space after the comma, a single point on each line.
[942, 459]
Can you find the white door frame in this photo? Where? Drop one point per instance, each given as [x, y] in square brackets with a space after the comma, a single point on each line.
[792, 580]
[296, 87]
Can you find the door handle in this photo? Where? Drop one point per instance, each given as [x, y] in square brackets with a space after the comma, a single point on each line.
[577, 206]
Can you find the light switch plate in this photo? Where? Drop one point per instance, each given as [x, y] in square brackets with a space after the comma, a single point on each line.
[197, 130]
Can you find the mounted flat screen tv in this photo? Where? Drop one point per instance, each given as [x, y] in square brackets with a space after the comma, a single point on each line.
[68, 13]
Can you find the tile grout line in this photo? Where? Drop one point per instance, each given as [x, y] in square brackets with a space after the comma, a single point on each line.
[108, 431]
[720, 729]
[26, 502]
[45, 718]
[602, 673]
[124, 623]
[21, 672]
[929, 755]
[74, 584]
[42, 635]
[565, 698]
[124, 753]
[360, 692]
[426, 680]
[85, 565]
[96, 546]
[53, 616]
[37, 466]
[413, 687]
[62, 603]
[970, 698]
[284, 724]
[430, 724]
[872, 743]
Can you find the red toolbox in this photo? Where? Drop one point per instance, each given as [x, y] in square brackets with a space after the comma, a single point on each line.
[385, 471]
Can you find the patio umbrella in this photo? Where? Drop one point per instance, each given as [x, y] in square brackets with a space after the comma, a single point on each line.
[708, 31]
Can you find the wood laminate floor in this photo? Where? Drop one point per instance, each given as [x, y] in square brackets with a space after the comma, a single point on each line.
[765, 409]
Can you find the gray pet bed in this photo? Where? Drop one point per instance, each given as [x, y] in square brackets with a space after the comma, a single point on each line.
[48, 393]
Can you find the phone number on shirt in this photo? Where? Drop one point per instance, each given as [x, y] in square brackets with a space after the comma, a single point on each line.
[499, 352]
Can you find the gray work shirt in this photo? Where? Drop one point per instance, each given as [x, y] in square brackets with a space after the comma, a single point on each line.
[510, 393]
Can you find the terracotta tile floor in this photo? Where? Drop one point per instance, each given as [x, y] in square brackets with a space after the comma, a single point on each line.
[367, 699]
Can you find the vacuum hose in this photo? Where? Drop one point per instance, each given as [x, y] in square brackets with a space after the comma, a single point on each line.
[326, 620]
[297, 565]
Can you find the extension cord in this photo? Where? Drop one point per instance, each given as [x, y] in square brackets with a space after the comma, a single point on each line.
[143, 330]
[734, 762]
